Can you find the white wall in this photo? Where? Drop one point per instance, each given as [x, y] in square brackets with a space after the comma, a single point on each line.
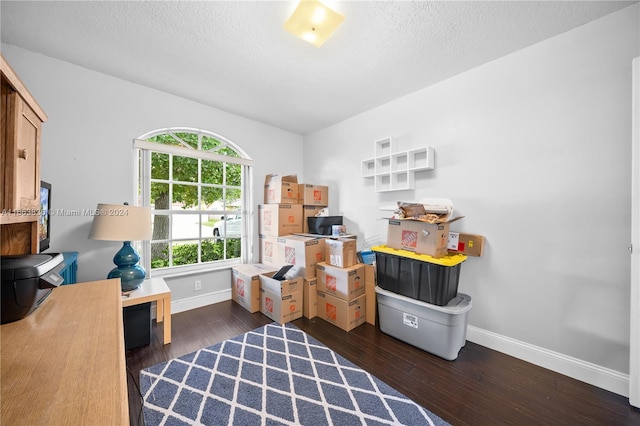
[87, 151]
[534, 149]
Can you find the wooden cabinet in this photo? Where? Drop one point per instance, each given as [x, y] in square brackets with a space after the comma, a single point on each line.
[21, 127]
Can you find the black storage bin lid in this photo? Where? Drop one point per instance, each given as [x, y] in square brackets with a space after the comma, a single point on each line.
[24, 266]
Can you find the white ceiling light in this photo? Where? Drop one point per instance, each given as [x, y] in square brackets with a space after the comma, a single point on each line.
[313, 22]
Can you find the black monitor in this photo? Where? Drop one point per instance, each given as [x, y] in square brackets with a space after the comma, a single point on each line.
[44, 223]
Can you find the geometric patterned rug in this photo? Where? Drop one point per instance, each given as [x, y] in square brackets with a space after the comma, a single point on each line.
[273, 375]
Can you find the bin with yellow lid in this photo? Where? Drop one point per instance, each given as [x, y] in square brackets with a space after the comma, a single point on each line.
[418, 276]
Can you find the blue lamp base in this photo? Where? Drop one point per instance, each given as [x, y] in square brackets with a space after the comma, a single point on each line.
[127, 269]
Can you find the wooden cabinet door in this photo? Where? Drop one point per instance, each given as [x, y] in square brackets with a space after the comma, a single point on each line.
[22, 157]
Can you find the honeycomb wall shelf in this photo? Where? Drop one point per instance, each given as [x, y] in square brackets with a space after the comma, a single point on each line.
[394, 170]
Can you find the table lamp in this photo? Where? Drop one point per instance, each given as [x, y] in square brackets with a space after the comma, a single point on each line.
[117, 222]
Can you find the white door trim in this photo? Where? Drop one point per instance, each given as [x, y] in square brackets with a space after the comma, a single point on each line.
[634, 338]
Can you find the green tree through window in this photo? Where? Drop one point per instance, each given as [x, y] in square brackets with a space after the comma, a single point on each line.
[193, 179]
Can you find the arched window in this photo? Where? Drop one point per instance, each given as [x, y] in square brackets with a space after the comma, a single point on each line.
[197, 185]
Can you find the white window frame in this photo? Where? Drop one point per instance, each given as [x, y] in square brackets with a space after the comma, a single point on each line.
[143, 150]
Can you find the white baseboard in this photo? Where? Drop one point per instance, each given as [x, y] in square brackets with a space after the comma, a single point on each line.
[593, 374]
[200, 301]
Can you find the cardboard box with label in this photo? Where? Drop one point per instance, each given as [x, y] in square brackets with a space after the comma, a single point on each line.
[281, 300]
[304, 253]
[344, 283]
[269, 248]
[281, 189]
[245, 284]
[344, 314]
[279, 219]
[419, 237]
[313, 195]
[341, 252]
[310, 298]
[469, 244]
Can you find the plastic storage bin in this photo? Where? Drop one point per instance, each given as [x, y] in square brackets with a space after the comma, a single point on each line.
[440, 330]
[418, 276]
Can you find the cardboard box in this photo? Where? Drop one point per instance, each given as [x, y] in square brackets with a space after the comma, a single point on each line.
[281, 301]
[344, 283]
[370, 293]
[313, 195]
[469, 244]
[419, 237]
[344, 314]
[279, 219]
[307, 212]
[304, 253]
[281, 189]
[283, 287]
[245, 284]
[310, 298]
[341, 252]
[281, 308]
[269, 250]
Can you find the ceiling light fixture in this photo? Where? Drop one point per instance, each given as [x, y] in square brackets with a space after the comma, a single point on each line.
[313, 22]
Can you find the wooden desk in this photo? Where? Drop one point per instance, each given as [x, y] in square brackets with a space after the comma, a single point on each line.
[154, 290]
[65, 363]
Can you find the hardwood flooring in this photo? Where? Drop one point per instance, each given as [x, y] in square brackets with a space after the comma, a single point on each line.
[481, 387]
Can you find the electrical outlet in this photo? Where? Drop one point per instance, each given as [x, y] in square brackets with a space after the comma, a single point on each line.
[197, 285]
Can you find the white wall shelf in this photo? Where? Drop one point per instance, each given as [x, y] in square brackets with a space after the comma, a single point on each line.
[394, 170]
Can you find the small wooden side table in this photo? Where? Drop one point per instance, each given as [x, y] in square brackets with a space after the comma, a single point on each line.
[153, 290]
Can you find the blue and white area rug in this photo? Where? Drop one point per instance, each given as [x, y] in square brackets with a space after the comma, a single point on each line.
[273, 375]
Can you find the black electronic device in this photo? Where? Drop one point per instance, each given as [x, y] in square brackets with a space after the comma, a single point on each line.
[280, 274]
[27, 281]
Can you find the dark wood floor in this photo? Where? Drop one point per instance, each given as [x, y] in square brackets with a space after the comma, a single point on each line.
[481, 387]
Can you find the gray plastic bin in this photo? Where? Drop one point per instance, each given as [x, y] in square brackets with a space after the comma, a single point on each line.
[440, 330]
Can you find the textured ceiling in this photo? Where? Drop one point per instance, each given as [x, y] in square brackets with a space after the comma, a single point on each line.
[236, 56]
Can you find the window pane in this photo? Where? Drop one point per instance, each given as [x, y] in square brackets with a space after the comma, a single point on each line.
[160, 196]
[185, 169]
[229, 152]
[185, 226]
[212, 250]
[165, 139]
[209, 143]
[233, 248]
[159, 166]
[190, 139]
[212, 172]
[209, 197]
[234, 174]
[161, 226]
[233, 198]
[185, 253]
[159, 255]
[229, 226]
[184, 196]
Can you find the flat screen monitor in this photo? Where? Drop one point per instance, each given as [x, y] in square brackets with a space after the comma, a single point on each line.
[44, 223]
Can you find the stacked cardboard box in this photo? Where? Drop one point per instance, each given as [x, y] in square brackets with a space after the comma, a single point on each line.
[287, 205]
[341, 285]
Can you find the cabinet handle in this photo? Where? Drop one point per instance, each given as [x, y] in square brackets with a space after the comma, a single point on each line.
[23, 154]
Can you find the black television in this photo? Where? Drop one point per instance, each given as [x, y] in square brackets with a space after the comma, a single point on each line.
[44, 223]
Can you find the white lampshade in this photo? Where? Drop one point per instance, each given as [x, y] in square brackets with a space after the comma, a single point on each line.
[117, 222]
